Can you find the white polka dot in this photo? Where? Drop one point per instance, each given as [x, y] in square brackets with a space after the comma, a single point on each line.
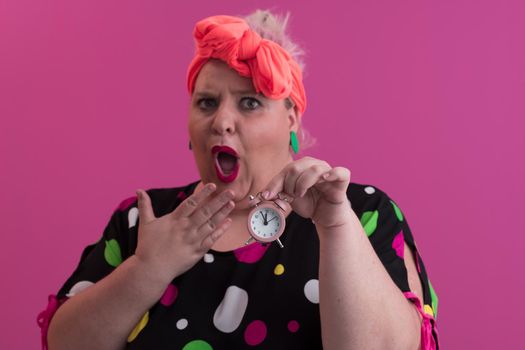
[230, 311]
[311, 291]
[208, 258]
[133, 215]
[79, 287]
[370, 189]
[182, 323]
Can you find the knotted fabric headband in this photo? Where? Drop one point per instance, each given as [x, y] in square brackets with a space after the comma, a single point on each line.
[273, 71]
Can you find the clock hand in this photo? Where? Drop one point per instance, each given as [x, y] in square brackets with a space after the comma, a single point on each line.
[265, 218]
[275, 217]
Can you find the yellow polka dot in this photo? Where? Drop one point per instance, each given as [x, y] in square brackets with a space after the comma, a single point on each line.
[428, 310]
[279, 269]
[139, 327]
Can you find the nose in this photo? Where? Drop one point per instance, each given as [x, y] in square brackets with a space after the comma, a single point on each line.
[224, 119]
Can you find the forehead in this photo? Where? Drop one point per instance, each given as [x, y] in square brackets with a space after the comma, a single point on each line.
[216, 75]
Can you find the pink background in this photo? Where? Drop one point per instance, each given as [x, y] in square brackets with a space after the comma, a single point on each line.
[423, 99]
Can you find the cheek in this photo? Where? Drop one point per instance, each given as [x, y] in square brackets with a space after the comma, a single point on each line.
[269, 135]
[197, 130]
[270, 138]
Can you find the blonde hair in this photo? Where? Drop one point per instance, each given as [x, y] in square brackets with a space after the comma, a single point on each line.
[273, 27]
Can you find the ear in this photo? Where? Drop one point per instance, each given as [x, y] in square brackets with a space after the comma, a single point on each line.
[294, 119]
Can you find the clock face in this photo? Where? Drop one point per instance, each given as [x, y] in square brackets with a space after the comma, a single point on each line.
[266, 223]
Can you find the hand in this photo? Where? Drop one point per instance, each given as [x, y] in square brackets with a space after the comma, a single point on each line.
[172, 244]
[318, 190]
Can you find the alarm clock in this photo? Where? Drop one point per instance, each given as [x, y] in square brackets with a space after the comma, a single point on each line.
[266, 221]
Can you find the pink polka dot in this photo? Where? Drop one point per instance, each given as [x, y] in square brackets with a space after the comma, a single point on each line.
[399, 245]
[181, 195]
[126, 203]
[293, 326]
[255, 333]
[251, 253]
[169, 296]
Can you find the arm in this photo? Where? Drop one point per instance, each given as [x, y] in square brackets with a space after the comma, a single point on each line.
[361, 307]
[103, 315]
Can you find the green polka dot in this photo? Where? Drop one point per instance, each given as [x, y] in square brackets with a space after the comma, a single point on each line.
[197, 345]
[399, 214]
[434, 298]
[112, 253]
[369, 221]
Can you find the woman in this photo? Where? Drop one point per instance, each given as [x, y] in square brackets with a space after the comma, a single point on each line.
[176, 268]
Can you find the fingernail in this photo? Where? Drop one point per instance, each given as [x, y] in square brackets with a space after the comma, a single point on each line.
[326, 175]
[266, 194]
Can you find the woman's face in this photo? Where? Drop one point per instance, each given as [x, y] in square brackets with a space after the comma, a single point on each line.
[239, 138]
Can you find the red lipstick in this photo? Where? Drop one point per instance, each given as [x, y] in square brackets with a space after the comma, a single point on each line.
[226, 163]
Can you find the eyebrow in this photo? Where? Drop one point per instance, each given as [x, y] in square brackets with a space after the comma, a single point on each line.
[207, 93]
[245, 92]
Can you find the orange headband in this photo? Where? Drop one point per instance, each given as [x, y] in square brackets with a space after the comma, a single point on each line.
[273, 71]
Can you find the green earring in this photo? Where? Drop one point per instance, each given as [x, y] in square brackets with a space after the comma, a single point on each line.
[294, 142]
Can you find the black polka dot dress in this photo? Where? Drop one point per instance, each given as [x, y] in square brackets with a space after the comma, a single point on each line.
[258, 296]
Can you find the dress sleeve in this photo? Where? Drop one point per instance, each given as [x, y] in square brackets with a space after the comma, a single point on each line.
[97, 260]
[387, 229]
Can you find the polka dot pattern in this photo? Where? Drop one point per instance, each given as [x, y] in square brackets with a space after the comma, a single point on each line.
[139, 327]
[369, 221]
[251, 253]
[434, 298]
[257, 295]
[169, 296]
[229, 313]
[79, 287]
[428, 310]
[278, 270]
[133, 216]
[398, 212]
[181, 196]
[311, 291]
[398, 244]
[293, 326]
[112, 253]
[126, 203]
[182, 324]
[255, 333]
[197, 345]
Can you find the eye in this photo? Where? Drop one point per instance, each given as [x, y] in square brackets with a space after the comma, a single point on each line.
[206, 103]
[250, 103]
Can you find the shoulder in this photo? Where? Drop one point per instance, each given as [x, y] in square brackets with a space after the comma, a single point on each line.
[366, 197]
[376, 210]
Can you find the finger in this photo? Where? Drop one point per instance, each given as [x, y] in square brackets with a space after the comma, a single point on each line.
[309, 178]
[211, 224]
[285, 178]
[291, 177]
[190, 204]
[145, 209]
[200, 216]
[211, 238]
[337, 174]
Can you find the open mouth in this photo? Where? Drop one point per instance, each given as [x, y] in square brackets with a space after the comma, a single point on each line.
[226, 163]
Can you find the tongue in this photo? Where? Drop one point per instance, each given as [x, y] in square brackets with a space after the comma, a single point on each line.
[226, 162]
